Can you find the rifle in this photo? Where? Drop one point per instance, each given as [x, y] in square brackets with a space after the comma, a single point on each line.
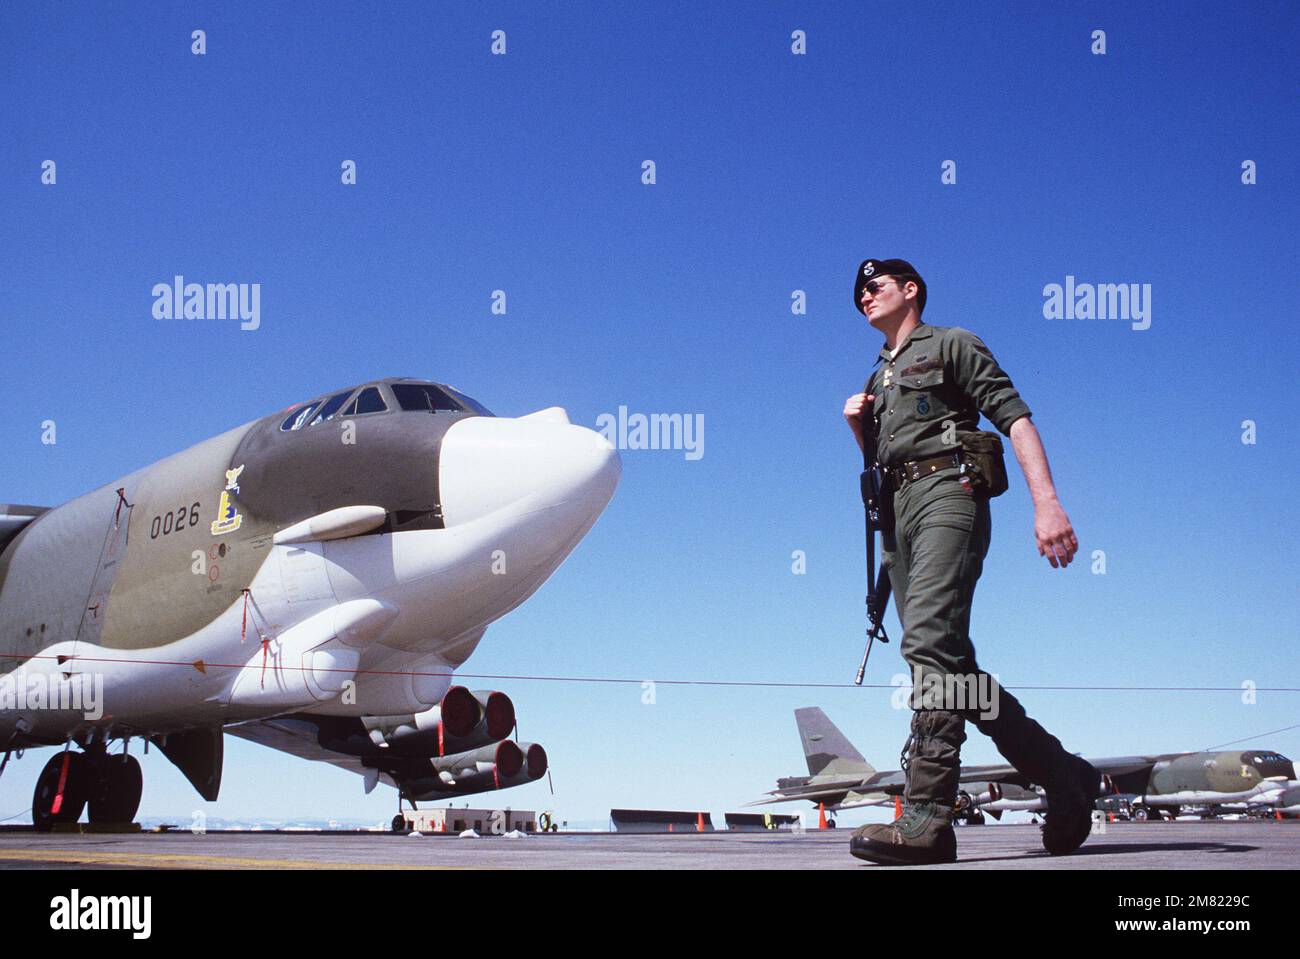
[878, 507]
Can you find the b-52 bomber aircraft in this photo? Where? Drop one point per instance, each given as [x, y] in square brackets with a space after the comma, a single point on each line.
[309, 581]
[839, 778]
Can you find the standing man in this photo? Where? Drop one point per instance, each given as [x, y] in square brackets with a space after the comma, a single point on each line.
[925, 402]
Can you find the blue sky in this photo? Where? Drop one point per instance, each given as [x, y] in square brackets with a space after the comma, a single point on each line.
[775, 173]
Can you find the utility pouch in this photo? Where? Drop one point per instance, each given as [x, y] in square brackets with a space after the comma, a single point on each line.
[982, 463]
[878, 497]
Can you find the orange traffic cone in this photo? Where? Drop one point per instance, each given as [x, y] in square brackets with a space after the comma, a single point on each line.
[898, 807]
[821, 815]
[1277, 814]
[670, 827]
[699, 823]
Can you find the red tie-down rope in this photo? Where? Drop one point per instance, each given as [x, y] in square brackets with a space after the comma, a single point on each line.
[121, 501]
[243, 632]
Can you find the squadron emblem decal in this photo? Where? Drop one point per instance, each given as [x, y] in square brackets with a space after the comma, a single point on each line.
[228, 518]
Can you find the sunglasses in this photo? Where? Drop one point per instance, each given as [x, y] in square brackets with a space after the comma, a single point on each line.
[875, 286]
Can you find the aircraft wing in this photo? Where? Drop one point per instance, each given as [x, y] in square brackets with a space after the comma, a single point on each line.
[879, 788]
[1120, 765]
[999, 773]
[299, 738]
[1117, 767]
[883, 787]
[833, 798]
[418, 776]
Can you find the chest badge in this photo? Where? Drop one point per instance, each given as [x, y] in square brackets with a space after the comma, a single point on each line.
[923, 405]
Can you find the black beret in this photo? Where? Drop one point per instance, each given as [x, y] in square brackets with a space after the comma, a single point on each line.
[897, 268]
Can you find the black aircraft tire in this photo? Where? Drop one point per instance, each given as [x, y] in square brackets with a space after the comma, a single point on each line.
[115, 795]
[47, 788]
[399, 823]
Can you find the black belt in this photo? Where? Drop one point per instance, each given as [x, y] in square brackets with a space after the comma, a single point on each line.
[908, 472]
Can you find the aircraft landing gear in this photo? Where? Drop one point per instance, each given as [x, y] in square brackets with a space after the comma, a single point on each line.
[110, 785]
[62, 789]
[116, 789]
[399, 823]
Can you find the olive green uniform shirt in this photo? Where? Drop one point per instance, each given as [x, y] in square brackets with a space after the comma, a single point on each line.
[941, 377]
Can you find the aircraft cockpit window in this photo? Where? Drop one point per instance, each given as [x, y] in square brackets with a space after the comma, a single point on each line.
[468, 402]
[370, 400]
[298, 417]
[329, 408]
[424, 397]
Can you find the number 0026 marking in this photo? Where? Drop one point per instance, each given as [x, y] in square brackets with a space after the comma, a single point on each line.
[182, 518]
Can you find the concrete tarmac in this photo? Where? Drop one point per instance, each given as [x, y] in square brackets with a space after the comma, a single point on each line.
[1164, 845]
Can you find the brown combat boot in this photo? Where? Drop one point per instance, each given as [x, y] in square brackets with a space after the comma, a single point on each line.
[922, 835]
[1070, 802]
[1072, 784]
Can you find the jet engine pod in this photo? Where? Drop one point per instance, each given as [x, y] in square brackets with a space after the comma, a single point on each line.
[461, 722]
[535, 761]
[497, 766]
[532, 766]
[498, 714]
[460, 712]
[478, 769]
[509, 759]
[427, 733]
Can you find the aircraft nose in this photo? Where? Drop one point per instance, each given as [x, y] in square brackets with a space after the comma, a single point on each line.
[487, 464]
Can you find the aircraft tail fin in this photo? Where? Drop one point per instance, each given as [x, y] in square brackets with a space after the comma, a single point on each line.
[827, 749]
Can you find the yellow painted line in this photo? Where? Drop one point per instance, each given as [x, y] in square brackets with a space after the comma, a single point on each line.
[182, 861]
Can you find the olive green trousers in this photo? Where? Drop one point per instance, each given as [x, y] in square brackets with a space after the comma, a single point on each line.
[934, 557]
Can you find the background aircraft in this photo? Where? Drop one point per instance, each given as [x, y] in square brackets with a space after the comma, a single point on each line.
[839, 777]
[309, 581]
